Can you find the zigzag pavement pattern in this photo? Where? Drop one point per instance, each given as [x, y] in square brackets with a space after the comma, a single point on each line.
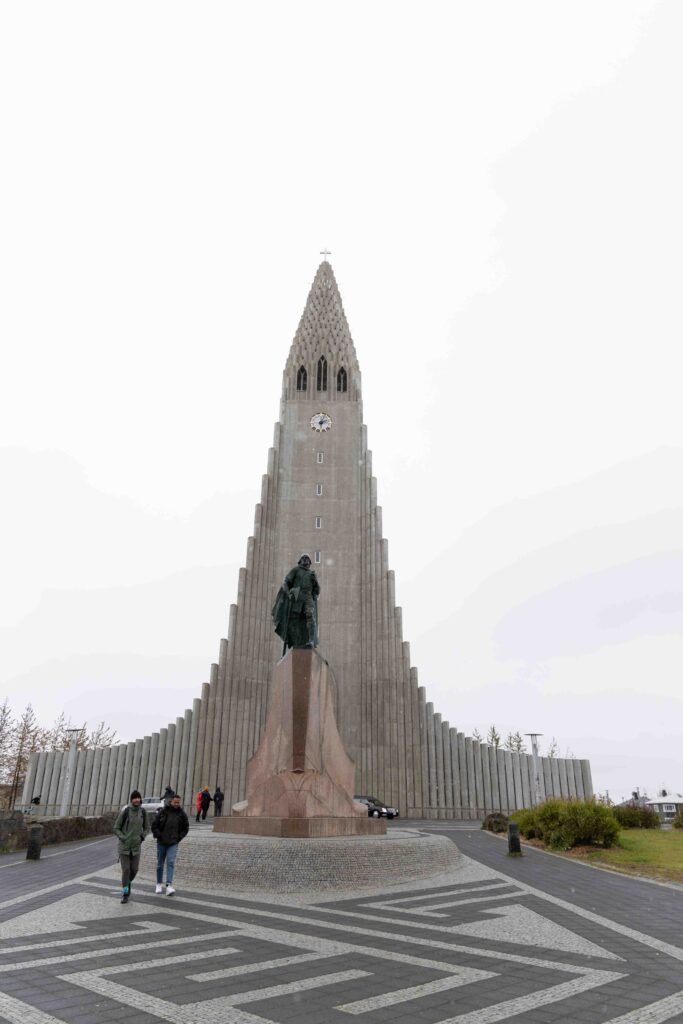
[483, 948]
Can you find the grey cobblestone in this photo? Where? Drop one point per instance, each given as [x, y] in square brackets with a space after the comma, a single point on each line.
[538, 940]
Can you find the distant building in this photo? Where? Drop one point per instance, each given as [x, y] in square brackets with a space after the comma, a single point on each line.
[666, 805]
[635, 800]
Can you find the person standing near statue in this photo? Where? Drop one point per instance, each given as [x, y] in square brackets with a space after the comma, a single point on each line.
[295, 612]
[204, 802]
[218, 798]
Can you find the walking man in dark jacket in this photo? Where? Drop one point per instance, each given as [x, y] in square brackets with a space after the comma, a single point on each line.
[169, 828]
[218, 798]
[130, 828]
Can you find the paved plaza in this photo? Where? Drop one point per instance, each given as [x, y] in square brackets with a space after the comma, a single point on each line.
[537, 939]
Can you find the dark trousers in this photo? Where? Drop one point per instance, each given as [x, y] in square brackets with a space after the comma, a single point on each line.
[217, 809]
[130, 862]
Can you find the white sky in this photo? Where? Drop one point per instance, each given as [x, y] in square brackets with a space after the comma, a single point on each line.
[500, 188]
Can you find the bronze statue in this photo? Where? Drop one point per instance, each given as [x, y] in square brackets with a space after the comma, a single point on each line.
[295, 612]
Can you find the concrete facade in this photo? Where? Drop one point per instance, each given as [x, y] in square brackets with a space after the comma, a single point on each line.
[319, 495]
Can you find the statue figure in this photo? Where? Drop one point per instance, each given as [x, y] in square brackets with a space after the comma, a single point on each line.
[295, 612]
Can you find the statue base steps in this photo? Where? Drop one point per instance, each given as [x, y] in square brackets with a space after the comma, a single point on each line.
[301, 828]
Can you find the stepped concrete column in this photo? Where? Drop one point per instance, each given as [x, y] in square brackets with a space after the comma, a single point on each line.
[587, 781]
[104, 769]
[94, 780]
[564, 786]
[440, 783]
[117, 798]
[159, 767]
[151, 770]
[447, 767]
[431, 754]
[524, 772]
[144, 766]
[509, 781]
[578, 780]
[555, 777]
[486, 774]
[478, 777]
[53, 798]
[168, 755]
[128, 773]
[175, 757]
[191, 755]
[31, 775]
[184, 750]
[471, 781]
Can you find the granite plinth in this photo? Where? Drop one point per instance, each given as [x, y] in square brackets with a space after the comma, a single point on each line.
[301, 772]
[300, 828]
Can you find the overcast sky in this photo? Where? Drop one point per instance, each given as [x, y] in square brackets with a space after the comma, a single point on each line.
[500, 187]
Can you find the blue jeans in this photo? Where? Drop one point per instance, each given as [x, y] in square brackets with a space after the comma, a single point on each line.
[167, 854]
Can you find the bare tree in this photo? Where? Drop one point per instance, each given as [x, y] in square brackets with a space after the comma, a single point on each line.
[101, 736]
[57, 737]
[515, 742]
[553, 749]
[28, 738]
[6, 735]
[493, 737]
[476, 735]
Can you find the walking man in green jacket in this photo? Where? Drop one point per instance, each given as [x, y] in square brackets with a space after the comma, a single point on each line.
[130, 828]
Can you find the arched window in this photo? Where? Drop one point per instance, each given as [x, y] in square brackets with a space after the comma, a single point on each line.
[322, 374]
[342, 380]
[301, 379]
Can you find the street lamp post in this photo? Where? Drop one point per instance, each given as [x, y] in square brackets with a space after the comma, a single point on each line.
[534, 753]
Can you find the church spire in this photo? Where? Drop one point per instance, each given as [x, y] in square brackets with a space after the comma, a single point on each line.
[322, 351]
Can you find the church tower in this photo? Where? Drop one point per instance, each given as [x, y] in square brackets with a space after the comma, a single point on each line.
[318, 496]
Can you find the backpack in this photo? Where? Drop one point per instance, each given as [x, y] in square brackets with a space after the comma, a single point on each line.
[126, 815]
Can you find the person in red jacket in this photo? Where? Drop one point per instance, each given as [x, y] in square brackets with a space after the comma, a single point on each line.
[198, 803]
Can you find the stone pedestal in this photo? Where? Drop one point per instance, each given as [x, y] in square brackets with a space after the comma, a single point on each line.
[300, 780]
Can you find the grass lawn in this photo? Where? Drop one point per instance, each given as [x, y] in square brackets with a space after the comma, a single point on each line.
[641, 851]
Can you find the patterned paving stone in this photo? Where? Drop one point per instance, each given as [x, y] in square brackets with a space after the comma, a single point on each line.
[534, 940]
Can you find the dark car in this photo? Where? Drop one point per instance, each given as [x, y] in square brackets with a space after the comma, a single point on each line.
[377, 808]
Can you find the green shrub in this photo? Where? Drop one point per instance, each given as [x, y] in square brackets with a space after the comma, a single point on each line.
[562, 824]
[549, 817]
[633, 816]
[496, 821]
[678, 820]
[526, 820]
[585, 824]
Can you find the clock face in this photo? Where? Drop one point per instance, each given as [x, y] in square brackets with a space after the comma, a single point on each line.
[321, 421]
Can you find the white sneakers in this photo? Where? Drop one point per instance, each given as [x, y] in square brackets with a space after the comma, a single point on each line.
[169, 888]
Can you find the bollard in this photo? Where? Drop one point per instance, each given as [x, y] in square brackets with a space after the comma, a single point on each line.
[35, 842]
[514, 845]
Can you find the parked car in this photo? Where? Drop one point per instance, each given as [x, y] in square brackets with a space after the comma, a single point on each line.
[152, 804]
[377, 808]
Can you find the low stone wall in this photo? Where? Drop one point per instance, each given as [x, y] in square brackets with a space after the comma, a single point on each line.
[14, 828]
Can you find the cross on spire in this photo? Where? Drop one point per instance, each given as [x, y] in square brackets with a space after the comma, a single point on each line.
[325, 253]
